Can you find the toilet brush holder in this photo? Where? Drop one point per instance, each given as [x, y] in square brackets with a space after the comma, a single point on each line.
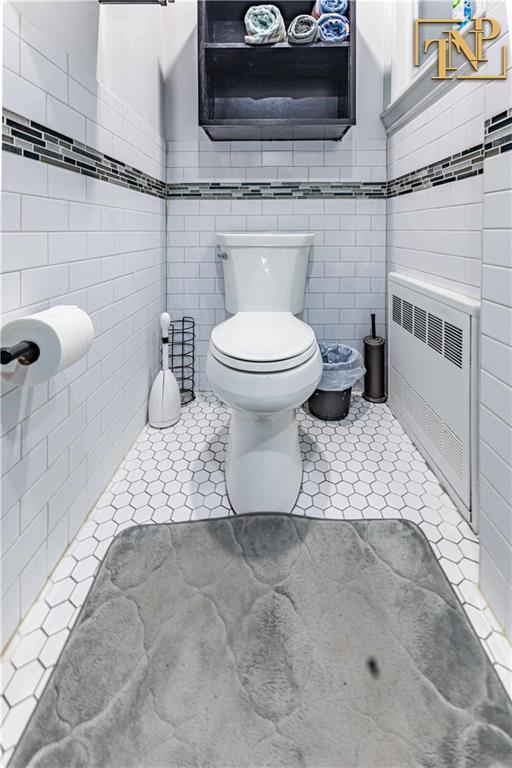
[375, 364]
[164, 407]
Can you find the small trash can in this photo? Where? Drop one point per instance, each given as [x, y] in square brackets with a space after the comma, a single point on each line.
[342, 368]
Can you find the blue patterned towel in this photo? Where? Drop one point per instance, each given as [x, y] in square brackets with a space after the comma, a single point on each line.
[264, 24]
[333, 28]
[329, 6]
[302, 30]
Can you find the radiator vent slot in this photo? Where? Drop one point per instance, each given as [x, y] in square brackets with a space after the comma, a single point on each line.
[397, 310]
[433, 427]
[435, 333]
[440, 335]
[453, 344]
[407, 309]
[453, 452]
[420, 324]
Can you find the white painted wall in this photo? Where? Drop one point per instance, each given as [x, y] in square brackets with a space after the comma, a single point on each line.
[71, 240]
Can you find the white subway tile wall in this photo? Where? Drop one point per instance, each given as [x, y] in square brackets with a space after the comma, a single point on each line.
[496, 390]
[71, 240]
[346, 273]
[453, 123]
[347, 266]
[201, 160]
[496, 353]
[436, 234]
[44, 83]
[458, 236]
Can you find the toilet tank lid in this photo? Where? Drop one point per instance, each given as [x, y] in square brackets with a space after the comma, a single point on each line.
[265, 239]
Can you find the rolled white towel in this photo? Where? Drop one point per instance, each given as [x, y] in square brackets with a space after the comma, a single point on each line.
[264, 25]
[303, 30]
[329, 6]
[333, 28]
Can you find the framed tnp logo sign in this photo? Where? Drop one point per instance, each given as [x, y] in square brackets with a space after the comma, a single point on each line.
[452, 41]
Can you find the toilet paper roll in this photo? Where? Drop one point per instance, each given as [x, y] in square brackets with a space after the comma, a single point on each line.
[63, 334]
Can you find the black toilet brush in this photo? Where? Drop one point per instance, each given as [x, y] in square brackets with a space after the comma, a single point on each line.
[375, 364]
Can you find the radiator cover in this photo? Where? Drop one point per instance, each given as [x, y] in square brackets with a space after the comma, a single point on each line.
[433, 381]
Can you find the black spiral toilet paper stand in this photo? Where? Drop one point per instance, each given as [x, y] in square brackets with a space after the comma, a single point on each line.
[182, 356]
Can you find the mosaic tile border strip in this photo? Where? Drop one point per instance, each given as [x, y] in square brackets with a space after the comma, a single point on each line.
[462, 165]
[498, 122]
[28, 138]
[278, 190]
[31, 139]
[498, 133]
[469, 162]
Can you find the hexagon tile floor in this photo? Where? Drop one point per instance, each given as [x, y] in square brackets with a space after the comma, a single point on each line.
[363, 467]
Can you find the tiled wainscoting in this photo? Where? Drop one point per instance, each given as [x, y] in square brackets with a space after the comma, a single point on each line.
[434, 223]
[458, 235]
[71, 238]
[364, 467]
[83, 227]
[199, 160]
[346, 273]
[436, 164]
[496, 389]
[436, 234]
[30, 139]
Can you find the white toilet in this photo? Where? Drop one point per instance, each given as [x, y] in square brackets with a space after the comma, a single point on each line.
[263, 362]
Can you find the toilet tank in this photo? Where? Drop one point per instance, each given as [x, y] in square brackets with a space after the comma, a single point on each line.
[264, 271]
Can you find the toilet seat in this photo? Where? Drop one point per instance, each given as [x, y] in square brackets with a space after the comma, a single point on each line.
[264, 367]
[263, 342]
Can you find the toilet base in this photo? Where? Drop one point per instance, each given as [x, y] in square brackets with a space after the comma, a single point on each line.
[263, 463]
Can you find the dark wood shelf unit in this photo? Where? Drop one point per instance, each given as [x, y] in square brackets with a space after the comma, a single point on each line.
[274, 92]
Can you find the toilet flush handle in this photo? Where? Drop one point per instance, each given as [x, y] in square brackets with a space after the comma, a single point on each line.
[220, 254]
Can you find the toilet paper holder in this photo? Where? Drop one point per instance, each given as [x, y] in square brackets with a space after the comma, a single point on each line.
[25, 352]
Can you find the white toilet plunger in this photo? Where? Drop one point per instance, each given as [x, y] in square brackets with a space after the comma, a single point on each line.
[165, 398]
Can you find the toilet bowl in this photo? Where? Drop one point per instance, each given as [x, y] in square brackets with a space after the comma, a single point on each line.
[263, 463]
[263, 363]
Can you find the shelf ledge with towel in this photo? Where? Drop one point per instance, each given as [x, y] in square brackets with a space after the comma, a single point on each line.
[318, 44]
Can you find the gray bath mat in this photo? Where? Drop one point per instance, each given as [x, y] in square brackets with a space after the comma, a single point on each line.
[271, 640]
